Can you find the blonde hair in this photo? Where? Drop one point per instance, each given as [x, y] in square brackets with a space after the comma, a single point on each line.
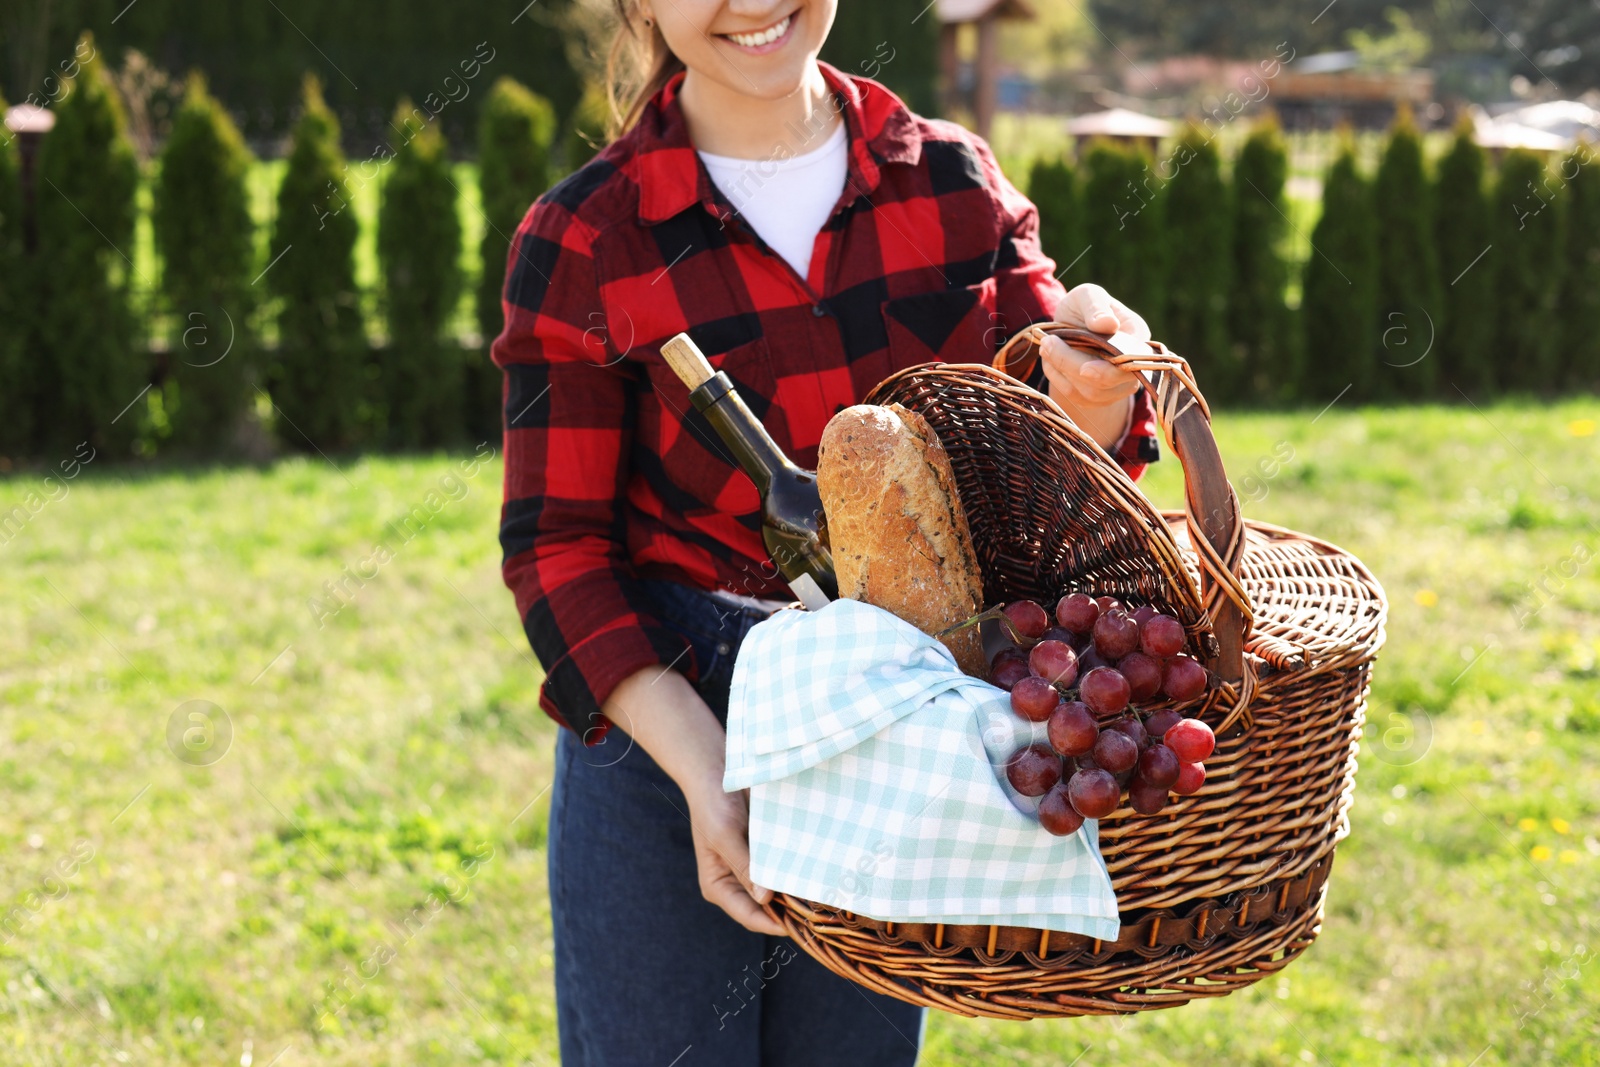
[639, 65]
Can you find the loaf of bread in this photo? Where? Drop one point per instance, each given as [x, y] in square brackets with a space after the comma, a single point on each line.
[899, 537]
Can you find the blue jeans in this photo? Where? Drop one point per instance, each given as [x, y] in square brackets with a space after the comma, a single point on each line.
[647, 971]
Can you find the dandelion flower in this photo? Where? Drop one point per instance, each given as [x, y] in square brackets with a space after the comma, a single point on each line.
[1541, 853]
[1527, 825]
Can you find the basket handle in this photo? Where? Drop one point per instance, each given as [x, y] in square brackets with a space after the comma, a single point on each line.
[1211, 508]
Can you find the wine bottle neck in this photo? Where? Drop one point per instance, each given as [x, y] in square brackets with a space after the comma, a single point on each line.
[753, 448]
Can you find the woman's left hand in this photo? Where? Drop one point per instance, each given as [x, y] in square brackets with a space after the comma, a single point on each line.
[1094, 393]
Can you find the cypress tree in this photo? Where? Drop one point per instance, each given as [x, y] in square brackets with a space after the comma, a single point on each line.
[1579, 316]
[1409, 301]
[206, 240]
[514, 135]
[16, 409]
[895, 42]
[515, 129]
[1200, 275]
[419, 248]
[586, 129]
[319, 379]
[1053, 188]
[1525, 212]
[87, 175]
[1339, 305]
[1259, 323]
[1463, 235]
[1122, 213]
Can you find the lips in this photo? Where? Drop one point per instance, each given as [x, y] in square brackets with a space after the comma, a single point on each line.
[760, 39]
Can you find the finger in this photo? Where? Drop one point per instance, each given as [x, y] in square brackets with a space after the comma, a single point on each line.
[1130, 322]
[726, 893]
[1090, 306]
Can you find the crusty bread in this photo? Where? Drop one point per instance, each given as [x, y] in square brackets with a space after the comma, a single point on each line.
[896, 528]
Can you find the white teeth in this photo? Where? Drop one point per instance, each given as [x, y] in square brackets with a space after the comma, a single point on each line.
[767, 36]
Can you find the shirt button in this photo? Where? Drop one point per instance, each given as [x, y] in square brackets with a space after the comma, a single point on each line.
[723, 649]
[818, 310]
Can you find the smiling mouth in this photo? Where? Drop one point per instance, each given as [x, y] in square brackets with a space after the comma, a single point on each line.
[762, 38]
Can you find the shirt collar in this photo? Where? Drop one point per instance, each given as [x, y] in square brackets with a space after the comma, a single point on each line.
[671, 177]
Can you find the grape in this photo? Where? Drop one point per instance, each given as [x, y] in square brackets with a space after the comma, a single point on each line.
[1116, 634]
[1161, 636]
[1105, 690]
[1009, 672]
[1143, 614]
[1089, 658]
[1158, 766]
[1064, 635]
[1143, 674]
[1146, 798]
[1191, 776]
[1033, 698]
[1027, 617]
[1115, 751]
[1077, 612]
[1009, 651]
[1108, 603]
[1055, 662]
[1086, 761]
[1162, 721]
[1072, 728]
[1056, 812]
[1094, 794]
[1123, 778]
[1184, 678]
[1033, 770]
[1191, 740]
[1135, 731]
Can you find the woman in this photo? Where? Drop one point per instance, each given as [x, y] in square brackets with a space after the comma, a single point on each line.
[812, 236]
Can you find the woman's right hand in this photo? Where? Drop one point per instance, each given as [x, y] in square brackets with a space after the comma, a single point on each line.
[659, 709]
[720, 823]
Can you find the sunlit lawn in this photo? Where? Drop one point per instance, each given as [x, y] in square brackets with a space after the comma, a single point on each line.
[161, 912]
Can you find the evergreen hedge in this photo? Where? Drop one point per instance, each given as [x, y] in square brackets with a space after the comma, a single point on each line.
[1409, 300]
[318, 382]
[16, 411]
[1526, 214]
[206, 240]
[419, 249]
[1462, 236]
[514, 136]
[1198, 232]
[586, 129]
[1579, 333]
[1122, 221]
[895, 42]
[1259, 322]
[1339, 304]
[86, 179]
[1053, 188]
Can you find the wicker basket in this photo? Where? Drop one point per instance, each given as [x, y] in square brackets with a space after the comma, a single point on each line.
[1222, 887]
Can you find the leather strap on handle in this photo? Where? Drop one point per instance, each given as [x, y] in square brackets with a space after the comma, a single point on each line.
[1211, 508]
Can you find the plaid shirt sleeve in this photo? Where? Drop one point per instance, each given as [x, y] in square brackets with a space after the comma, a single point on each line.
[570, 403]
[1026, 291]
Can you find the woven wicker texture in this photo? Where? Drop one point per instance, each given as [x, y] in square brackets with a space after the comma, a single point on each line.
[1223, 887]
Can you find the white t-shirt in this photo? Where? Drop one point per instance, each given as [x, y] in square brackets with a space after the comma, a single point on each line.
[786, 201]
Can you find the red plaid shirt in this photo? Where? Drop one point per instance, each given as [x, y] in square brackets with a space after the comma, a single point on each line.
[610, 474]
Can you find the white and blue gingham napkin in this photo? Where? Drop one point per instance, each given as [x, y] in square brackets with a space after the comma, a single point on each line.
[867, 754]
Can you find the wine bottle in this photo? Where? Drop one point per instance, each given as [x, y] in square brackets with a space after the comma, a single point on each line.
[792, 522]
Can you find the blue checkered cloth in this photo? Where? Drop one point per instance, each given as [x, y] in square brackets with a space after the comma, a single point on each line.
[870, 760]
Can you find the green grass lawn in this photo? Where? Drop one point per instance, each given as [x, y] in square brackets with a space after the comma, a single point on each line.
[389, 755]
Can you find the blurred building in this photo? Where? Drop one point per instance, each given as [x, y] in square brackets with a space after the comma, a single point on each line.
[985, 17]
[1318, 92]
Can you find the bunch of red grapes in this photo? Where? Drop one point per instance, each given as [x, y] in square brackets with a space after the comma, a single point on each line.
[1083, 677]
